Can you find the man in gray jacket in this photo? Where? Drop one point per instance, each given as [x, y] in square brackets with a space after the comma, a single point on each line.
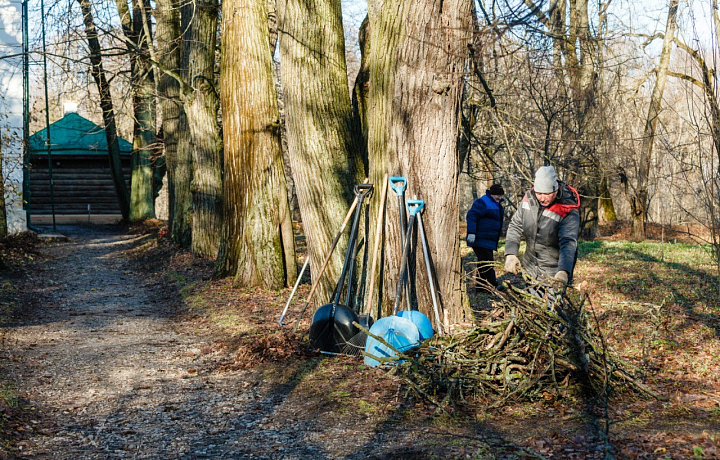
[549, 220]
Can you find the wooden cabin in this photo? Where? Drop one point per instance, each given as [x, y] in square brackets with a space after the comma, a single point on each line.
[80, 169]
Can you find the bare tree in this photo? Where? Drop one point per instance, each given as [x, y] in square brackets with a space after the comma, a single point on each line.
[321, 134]
[415, 63]
[175, 135]
[106, 105]
[257, 245]
[201, 106]
[639, 196]
[138, 37]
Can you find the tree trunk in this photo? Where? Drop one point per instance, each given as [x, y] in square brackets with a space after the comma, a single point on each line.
[416, 62]
[202, 118]
[257, 241]
[108, 114]
[607, 209]
[321, 135]
[174, 126]
[142, 199]
[639, 203]
[3, 208]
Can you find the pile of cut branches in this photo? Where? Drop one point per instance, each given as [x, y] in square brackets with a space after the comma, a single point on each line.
[533, 344]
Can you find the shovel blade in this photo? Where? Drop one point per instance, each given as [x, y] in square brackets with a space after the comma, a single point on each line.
[332, 327]
[400, 333]
[421, 321]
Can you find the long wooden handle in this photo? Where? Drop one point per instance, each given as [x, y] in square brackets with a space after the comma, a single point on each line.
[327, 258]
[378, 237]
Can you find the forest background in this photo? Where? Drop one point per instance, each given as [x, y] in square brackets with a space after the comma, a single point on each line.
[267, 112]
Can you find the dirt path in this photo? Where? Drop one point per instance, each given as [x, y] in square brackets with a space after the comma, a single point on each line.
[115, 375]
[108, 369]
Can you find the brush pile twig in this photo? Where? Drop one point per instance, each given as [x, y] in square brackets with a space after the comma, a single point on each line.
[533, 344]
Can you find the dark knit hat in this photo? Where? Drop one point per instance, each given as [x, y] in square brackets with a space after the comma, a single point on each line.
[496, 189]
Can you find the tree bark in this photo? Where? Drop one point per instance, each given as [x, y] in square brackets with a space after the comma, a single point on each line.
[606, 204]
[174, 126]
[257, 241]
[108, 114]
[3, 208]
[138, 37]
[202, 116]
[639, 201]
[416, 62]
[142, 196]
[167, 18]
[322, 138]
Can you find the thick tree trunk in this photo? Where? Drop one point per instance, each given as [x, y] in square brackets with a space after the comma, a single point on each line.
[108, 114]
[256, 243]
[202, 117]
[142, 197]
[180, 175]
[167, 14]
[416, 62]
[321, 134]
[639, 202]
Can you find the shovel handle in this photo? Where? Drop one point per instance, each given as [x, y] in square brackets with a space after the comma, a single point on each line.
[292, 294]
[403, 267]
[378, 237]
[398, 184]
[431, 280]
[415, 206]
[327, 258]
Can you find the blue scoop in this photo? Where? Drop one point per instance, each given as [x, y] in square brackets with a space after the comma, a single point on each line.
[399, 332]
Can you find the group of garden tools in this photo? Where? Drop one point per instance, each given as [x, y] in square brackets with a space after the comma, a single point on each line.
[334, 327]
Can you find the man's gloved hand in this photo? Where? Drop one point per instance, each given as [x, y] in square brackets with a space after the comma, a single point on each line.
[561, 276]
[470, 238]
[511, 263]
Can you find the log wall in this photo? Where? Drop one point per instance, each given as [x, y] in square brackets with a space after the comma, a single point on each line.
[79, 181]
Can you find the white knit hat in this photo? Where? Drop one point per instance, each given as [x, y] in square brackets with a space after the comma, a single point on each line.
[546, 180]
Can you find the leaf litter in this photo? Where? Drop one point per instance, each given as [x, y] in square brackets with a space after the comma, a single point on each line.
[224, 382]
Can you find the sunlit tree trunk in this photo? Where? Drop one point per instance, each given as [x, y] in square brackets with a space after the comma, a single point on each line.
[607, 209]
[322, 139]
[257, 240]
[167, 16]
[416, 61]
[174, 127]
[202, 116]
[108, 114]
[136, 28]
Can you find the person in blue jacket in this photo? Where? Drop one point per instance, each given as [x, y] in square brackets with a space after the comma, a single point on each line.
[484, 224]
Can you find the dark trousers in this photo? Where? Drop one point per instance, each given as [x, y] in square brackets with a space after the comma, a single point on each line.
[485, 272]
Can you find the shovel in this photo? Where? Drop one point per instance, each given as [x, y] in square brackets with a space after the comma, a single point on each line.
[332, 324]
[402, 333]
[322, 269]
[431, 280]
[399, 184]
[399, 332]
[418, 319]
[355, 345]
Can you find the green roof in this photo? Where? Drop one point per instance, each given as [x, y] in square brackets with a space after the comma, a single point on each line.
[74, 135]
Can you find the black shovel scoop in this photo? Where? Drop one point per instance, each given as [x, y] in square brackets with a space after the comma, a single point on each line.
[332, 324]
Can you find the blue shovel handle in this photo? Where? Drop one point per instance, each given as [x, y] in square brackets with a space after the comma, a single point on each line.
[398, 184]
[415, 206]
